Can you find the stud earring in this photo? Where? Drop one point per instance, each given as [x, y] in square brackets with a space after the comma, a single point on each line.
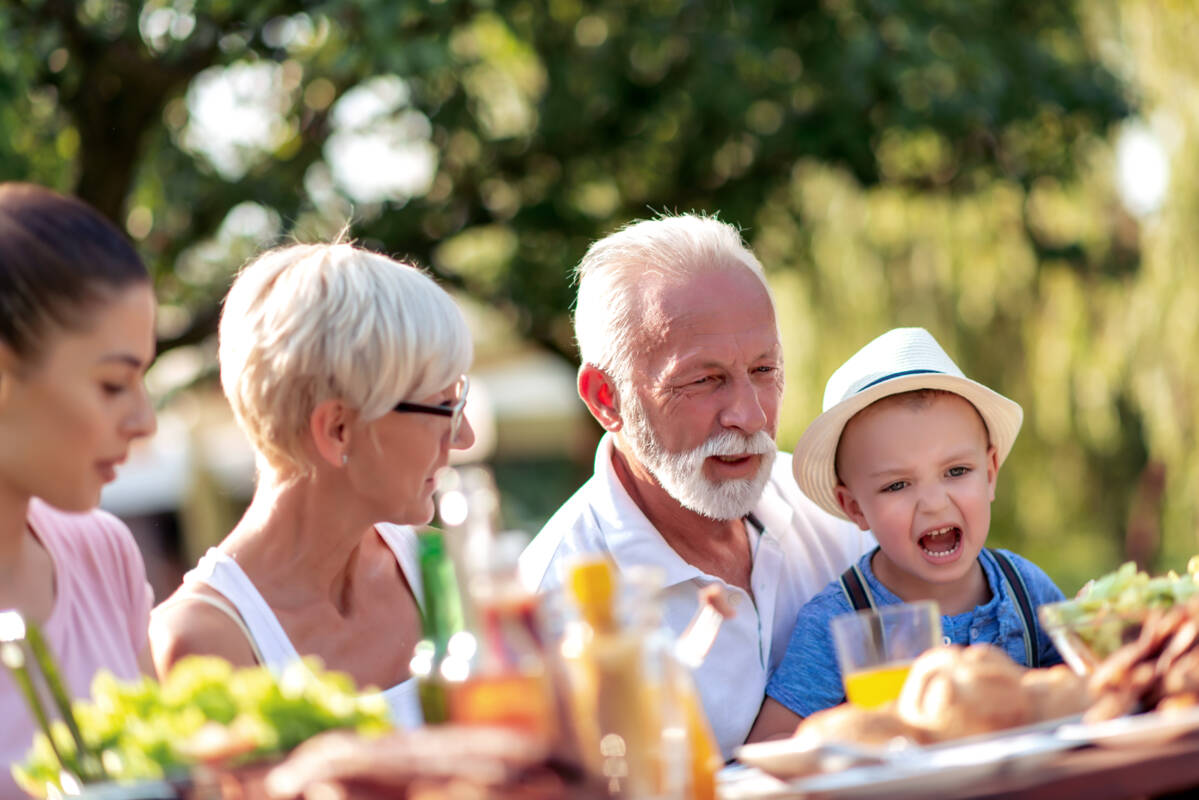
[345, 459]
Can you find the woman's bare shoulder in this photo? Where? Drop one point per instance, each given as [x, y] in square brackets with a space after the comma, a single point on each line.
[188, 624]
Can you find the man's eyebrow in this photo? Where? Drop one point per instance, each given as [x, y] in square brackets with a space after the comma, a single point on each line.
[703, 359]
[696, 362]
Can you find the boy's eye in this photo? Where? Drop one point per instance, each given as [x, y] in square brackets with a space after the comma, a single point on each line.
[957, 472]
[895, 487]
[112, 388]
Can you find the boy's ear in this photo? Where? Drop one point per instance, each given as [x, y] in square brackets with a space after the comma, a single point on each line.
[598, 391]
[851, 507]
[992, 470]
[331, 424]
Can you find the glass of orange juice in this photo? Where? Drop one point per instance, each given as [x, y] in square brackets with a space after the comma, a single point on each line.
[876, 647]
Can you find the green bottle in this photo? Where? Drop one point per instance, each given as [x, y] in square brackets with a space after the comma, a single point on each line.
[441, 618]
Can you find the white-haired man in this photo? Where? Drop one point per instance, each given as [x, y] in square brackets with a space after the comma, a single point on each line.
[683, 368]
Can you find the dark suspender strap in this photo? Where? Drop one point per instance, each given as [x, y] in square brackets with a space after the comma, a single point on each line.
[853, 584]
[752, 520]
[856, 591]
[1027, 615]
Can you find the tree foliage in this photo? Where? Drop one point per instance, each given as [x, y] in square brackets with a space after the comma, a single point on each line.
[943, 163]
[550, 123]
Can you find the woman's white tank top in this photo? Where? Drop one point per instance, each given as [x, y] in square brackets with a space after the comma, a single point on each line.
[220, 572]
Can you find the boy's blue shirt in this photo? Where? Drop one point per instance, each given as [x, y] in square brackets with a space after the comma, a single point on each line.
[808, 678]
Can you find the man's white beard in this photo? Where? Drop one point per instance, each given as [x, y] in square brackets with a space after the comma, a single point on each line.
[682, 474]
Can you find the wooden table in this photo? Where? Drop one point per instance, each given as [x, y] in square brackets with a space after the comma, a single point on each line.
[1103, 773]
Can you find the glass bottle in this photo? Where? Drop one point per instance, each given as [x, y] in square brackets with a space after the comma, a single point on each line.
[468, 505]
[497, 672]
[629, 728]
[504, 679]
[441, 620]
[690, 753]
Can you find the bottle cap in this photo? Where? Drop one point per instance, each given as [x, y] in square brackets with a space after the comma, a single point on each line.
[591, 584]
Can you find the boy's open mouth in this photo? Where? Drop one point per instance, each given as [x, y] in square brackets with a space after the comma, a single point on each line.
[941, 542]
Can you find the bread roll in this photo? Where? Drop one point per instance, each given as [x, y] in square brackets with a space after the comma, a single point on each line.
[955, 691]
[865, 726]
[1055, 692]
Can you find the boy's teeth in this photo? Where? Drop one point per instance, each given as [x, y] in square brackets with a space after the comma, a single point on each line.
[948, 552]
[936, 537]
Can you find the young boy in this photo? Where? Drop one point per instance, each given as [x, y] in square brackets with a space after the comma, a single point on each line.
[909, 449]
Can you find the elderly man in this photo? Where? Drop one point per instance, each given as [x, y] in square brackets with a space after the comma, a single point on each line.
[683, 368]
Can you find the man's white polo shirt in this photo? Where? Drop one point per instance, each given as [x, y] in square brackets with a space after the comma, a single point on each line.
[799, 550]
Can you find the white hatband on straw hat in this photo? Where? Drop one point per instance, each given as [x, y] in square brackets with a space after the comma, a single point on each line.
[901, 360]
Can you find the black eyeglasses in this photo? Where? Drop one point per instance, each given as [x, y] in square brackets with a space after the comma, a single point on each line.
[453, 411]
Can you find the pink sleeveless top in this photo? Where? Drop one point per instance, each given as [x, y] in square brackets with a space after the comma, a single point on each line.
[99, 620]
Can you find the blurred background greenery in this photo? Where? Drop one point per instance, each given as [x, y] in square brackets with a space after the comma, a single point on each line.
[1018, 176]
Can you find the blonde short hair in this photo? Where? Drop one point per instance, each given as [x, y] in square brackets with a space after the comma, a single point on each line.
[307, 323]
[612, 277]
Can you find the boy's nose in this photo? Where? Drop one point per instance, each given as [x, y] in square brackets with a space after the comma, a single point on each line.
[933, 497]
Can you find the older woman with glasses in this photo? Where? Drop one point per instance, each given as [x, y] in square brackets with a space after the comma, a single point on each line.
[345, 370]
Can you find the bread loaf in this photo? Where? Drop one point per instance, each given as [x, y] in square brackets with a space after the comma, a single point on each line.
[956, 691]
[1055, 692]
[866, 726]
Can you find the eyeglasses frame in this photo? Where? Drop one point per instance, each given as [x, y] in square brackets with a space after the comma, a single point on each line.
[454, 412]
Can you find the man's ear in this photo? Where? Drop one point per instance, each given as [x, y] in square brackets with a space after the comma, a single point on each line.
[331, 424]
[599, 393]
[851, 507]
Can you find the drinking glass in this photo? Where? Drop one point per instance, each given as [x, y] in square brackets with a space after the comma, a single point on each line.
[876, 647]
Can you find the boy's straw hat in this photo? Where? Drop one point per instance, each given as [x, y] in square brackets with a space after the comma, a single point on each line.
[901, 360]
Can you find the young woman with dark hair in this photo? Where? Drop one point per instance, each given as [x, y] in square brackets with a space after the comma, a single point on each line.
[76, 337]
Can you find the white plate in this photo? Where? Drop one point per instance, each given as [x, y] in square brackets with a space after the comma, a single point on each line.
[741, 782]
[918, 771]
[1153, 727]
[929, 771]
[800, 756]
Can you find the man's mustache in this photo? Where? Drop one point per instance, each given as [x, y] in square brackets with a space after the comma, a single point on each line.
[730, 443]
